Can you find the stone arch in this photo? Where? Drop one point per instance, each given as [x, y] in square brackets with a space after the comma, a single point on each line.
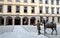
[1, 20]
[32, 20]
[25, 21]
[9, 20]
[17, 21]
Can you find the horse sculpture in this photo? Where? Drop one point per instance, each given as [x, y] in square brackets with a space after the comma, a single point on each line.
[51, 25]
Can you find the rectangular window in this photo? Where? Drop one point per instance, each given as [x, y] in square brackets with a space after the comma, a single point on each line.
[57, 2]
[32, 1]
[25, 1]
[17, 9]
[57, 10]
[25, 9]
[40, 9]
[1, 8]
[9, 0]
[17, 0]
[46, 1]
[9, 8]
[52, 10]
[46, 10]
[52, 2]
[1, 0]
[41, 1]
[32, 10]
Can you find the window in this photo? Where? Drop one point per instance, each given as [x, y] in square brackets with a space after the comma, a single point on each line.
[46, 1]
[1, 8]
[9, 8]
[25, 9]
[57, 2]
[40, 10]
[57, 10]
[25, 1]
[1, 21]
[32, 1]
[17, 9]
[9, 0]
[52, 2]
[46, 10]
[17, 0]
[32, 9]
[52, 10]
[41, 1]
[1, 0]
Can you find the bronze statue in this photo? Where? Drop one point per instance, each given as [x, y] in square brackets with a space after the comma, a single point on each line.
[51, 25]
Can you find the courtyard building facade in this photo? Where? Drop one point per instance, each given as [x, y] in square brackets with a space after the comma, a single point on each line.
[27, 12]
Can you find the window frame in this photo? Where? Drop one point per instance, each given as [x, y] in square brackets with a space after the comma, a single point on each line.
[1, 8]
[25, 1]
[32, 1]
[57, 2]
[18, 1]
[46, 2]
[17, 7]
[47, 10]
[33, 9]
[52, 2]
[57, 10]
[52, 10]
[1, 0]
[41, 9]
[9, 0]
[41, 1]
[9, 9]
[25, 9]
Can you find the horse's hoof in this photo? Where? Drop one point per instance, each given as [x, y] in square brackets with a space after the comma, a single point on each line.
[56, 34]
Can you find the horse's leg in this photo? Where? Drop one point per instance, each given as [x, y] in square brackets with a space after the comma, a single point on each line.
[44, 31]
[55, 30]
[52, 31]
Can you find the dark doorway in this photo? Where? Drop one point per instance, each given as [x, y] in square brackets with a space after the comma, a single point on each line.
[1, 21]
[17, 21]
[9, 21]
[32, 21]
[25, 21]
[41, 18]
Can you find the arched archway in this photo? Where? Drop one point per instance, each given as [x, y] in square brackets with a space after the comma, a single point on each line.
[9, 21]
[25, 21]
[17, 21]
[1, 21]
[32, 21]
